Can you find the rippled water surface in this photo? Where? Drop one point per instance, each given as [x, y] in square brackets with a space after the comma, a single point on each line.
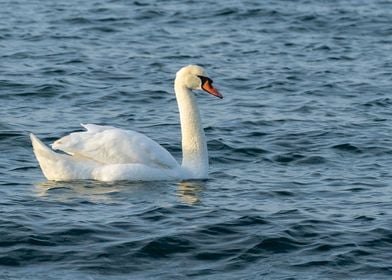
[300, 147]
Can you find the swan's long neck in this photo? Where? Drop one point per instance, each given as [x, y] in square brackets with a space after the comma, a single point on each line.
[194, 146]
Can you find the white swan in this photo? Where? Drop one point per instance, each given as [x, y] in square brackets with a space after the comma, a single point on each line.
[107, 153]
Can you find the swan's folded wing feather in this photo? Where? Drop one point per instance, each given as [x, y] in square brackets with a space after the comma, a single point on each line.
[109, 145]
[96, 128]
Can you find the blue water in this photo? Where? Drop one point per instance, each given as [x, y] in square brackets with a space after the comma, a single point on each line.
[300, 147]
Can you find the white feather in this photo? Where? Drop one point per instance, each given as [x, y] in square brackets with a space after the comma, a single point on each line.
[110, 145]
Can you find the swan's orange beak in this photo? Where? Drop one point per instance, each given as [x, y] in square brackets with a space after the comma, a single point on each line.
[207, 86]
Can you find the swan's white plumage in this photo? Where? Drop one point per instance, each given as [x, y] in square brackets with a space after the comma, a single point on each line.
[107, 153]
[110, 145]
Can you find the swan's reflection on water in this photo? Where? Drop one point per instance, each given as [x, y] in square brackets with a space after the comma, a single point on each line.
[100, 192]
[189, 191]
[91, 190]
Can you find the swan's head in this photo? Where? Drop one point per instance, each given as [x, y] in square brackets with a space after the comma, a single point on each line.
[195, 77]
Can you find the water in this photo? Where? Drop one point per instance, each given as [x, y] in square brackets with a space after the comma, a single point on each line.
[300, 147]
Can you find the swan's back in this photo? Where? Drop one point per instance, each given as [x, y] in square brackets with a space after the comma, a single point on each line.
[110, 145]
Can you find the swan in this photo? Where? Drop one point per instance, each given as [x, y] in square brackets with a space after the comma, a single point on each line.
[107, 153]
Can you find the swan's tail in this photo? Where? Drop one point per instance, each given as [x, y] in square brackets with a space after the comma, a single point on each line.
[57, 167]
[41, 150]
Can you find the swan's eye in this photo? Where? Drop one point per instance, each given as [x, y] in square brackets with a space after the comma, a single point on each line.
[205, 80]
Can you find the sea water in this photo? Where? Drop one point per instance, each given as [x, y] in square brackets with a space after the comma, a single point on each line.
[300, 147]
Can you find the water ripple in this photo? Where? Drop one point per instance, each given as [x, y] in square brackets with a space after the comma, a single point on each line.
[300, 147]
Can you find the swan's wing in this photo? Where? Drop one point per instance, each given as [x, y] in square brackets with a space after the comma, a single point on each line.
[110, 145]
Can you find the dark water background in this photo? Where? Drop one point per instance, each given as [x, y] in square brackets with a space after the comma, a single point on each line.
[300, 147]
